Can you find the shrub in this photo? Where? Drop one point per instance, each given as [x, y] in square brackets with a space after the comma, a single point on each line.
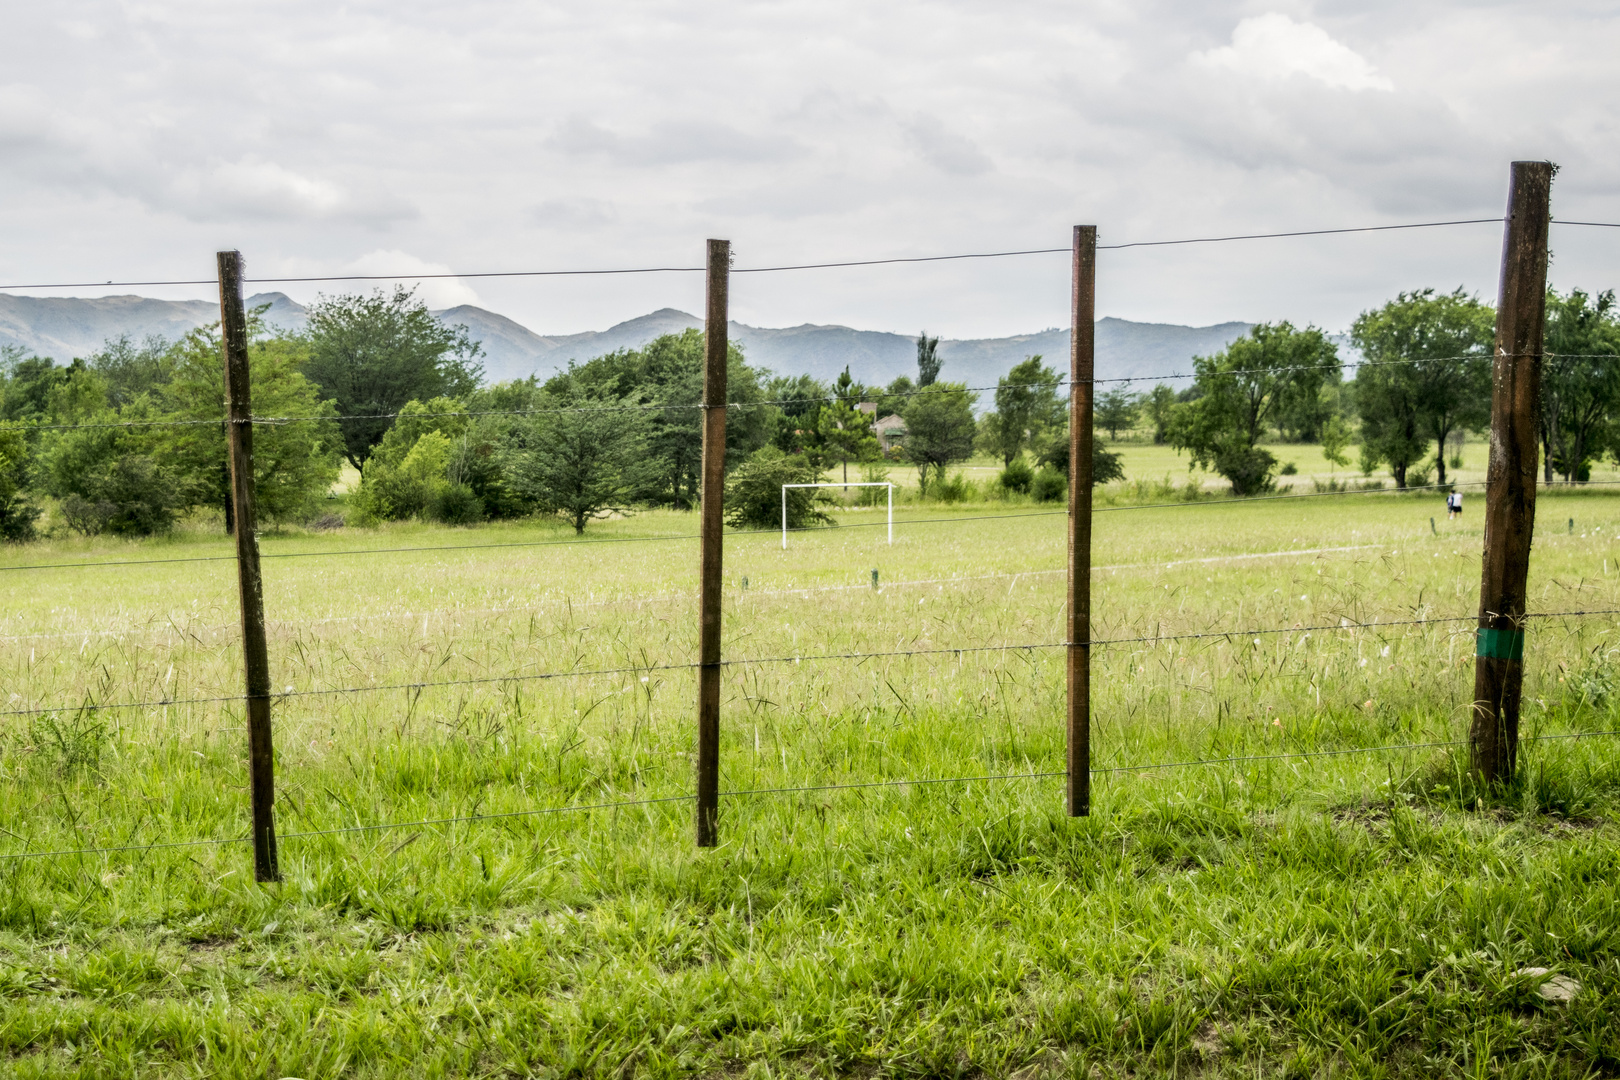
[17, 513]
[129, 495]
[953, 489]
[455, 504]
[1248, 468]
[754, 492]
[1288, 469]
[1049, 485]
[1018, 476]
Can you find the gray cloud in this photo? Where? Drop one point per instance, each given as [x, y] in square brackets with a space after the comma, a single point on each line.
[945, 150]
[139, 137]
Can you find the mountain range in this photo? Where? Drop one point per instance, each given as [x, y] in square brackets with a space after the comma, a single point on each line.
[64, 327]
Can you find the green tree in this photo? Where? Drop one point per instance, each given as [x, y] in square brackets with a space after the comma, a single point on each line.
[844, 431]
[1028, 409]
[586, 460]
[754, 492]
[798, 400]
[1105, 466]
[894, 396]
[939, 429]
[1241, 391]
[1117, 409]
[294, 464]
[1427, 374]
[928, 361]
[1160, 403]
[27, 383]
[130, 369]
[668, 373]
[372, 354]
[17, 511]
[1335, 437]
[1580, 382]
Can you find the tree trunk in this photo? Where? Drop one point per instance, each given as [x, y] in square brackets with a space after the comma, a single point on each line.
[1399, 472]
[1440, 458]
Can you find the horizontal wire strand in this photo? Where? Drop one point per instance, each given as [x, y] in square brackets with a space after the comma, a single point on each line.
[490, 680]
[765, 269]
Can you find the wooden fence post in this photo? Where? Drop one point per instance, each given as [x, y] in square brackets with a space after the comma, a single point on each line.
[255, 655]
[1510, 491]
[1082, 368]
[714, 482]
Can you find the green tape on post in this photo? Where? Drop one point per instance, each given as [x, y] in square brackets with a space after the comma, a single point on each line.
[1499, 644]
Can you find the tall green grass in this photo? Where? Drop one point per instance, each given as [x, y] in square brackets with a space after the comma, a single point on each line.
[1359, 914]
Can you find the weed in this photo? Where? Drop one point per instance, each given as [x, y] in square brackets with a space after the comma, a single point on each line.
[71, 743]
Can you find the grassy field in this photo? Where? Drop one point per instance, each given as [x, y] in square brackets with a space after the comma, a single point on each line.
[1362, 914]
[1145, 461]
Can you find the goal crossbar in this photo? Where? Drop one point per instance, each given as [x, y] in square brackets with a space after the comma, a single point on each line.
[836, 484]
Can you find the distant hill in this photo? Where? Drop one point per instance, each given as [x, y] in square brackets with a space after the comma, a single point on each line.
[67, 327]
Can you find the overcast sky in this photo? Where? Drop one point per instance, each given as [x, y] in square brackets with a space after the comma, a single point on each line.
[137, 138]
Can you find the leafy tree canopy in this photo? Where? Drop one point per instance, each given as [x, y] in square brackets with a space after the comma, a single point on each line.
[371, 354]
[1241, 393]
[1425, 373]
[939, 429]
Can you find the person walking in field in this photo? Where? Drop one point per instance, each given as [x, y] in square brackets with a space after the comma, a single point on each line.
[1453, 505]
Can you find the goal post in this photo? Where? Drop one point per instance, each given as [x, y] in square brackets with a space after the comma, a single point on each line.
[836, 484]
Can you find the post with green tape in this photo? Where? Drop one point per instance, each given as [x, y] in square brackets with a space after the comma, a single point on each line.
[1510, 491]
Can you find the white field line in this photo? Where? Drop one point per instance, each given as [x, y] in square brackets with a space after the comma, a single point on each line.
[1235, 558]
[666, 597]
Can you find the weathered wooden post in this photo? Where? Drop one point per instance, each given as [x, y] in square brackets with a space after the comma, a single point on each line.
[1082, 368]
[255, 654]
[1510, 492]
[713, 538]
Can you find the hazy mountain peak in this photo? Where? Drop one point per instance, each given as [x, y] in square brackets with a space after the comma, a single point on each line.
[67, 327]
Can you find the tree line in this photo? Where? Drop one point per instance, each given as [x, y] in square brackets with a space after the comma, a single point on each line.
[1423, 375]
[131, 438]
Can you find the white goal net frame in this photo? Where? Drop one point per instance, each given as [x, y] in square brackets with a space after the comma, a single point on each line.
[878, 483]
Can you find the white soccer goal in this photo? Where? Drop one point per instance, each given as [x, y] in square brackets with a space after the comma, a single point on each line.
[880, 483]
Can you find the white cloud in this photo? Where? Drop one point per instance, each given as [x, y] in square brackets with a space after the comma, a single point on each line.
[1274, 46]
[269, 187]
[437, 293]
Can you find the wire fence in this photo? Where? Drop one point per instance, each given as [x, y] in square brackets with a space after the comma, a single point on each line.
[855, 657]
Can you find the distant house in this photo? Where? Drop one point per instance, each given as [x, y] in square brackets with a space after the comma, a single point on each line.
[889, 430]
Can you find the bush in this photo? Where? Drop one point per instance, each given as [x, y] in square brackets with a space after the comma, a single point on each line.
[873, 473]
[17, 513]
[754, 492]
[455, 504]
[953, 489]
[1018, 476]
[1288, 469]
[1248, 468]
[1049, 485]
[129, 496]
[1105, 467]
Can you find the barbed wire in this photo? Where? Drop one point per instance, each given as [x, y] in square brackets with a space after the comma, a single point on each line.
[1213, 501]
[957, 651]
[448, 275]
[805, 789]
